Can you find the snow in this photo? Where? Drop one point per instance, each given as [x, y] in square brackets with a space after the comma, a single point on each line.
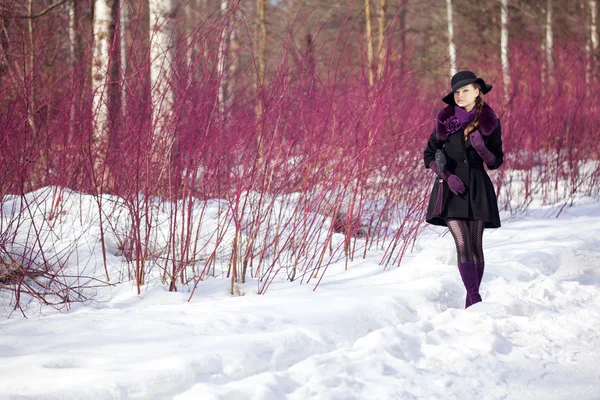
[364, 333]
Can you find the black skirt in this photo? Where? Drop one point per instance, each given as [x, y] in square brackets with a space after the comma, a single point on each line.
[478, 202]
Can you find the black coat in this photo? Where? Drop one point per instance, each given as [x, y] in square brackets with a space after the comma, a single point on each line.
[479, 201]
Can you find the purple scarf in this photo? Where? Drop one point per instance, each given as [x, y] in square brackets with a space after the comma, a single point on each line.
[465, 117]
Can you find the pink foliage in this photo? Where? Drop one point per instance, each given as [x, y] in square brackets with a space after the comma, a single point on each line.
[349, 154]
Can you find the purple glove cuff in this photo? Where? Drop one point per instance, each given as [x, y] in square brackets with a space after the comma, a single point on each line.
[477, 142]
[434, 168]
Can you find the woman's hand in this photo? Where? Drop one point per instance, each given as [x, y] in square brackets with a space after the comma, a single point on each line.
[479, 146]
[454, 183]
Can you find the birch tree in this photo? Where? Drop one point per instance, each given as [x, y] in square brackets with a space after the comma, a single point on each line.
[587, 41]
[369, 42]
[222, 74]
[593, 33]
[162, 49]
[504, 49]
[548, 45]
[72, 57]
[451, 47]
[382, 29]
[72, 32]
[262, 49]
[103, 33]
[124, 21]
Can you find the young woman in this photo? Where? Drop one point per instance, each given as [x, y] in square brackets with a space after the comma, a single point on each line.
[467, 135]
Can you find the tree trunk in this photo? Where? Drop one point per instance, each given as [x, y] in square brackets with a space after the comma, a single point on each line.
[124, 21]
[193, 12]
[72, 32]
[382, 27]
[137, 39]
[403, 34]
[504, 50]
[369, 42]
[103, 34]
[222, 74]
[29, 72]
[233, 49]
[262, 48]
[162, 49]
[451, 47]
[73, 60]
[594, 34]
[3, 45]
[115, 87]
[548, 70]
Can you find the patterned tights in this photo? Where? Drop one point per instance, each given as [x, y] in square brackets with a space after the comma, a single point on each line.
[468, 236]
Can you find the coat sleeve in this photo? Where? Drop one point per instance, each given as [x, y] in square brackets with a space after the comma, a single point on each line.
[495, 146]
[432, 145]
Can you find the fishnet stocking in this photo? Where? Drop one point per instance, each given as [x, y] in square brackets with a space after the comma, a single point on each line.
[468, 237]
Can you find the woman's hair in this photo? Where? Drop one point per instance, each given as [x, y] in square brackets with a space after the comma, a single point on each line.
[479, 105]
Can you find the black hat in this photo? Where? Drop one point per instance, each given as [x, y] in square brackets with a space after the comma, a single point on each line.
[464, 78]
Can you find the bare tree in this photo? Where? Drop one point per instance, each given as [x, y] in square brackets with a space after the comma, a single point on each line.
[504, 49]
[72, 54]
[124, 21]
[72, 32]
[594, 32]
[222, 51]
[451, 46]
[262, 59]
[162, 49]
[103, 33]
[548, 45]
[369, 41]
[137, 41]
[382, 29]
[29, 67]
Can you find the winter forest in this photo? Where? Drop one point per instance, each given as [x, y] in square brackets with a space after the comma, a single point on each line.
[235, 138]
[191, 125]
[227, 149]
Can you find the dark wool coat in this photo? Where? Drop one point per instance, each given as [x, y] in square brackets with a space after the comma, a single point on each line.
[479, 201]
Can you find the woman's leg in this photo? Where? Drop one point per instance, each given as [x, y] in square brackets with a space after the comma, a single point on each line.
[476, 240]
[459, 228]
[461, 232]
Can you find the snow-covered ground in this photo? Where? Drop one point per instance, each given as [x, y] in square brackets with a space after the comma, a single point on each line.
[365, 333]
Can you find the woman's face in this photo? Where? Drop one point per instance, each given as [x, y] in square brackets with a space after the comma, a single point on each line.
[465, 96]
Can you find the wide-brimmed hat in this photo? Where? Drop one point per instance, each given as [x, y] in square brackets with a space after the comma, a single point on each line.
[464, 78]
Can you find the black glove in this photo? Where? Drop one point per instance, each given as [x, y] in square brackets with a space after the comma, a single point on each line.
[441, 161]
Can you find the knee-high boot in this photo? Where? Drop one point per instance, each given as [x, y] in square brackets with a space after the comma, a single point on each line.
[470, 277]
[480, 269]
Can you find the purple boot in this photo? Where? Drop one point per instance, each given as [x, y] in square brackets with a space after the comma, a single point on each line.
[480, 269]
[469, 272]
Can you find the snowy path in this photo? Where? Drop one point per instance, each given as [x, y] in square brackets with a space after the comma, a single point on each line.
[364, 334]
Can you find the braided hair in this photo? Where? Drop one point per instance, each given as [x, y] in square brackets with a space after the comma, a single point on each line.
[479, 105]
